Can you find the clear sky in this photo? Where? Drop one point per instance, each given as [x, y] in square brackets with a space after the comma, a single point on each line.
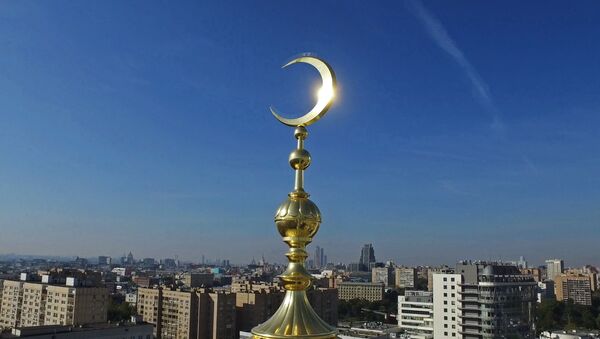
[461, 129]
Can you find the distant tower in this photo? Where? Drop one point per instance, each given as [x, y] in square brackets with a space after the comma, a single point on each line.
[130, 258]
[319, 257]
[554, 268]
[367, 256]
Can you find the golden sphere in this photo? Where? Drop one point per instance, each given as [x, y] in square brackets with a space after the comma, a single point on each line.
[298, 217]
[299, 159]
[301, 132]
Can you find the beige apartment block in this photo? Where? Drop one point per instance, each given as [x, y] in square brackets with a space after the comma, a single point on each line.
[178, 315]
[360, 290]
[406, 277]
[220, 314]
[25, 304]
[576, 287]
[255, 307]
[196, 314]
[148, 306]
[11, 303]
[33, 304]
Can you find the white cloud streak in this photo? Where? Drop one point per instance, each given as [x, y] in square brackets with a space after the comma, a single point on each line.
[440, 36]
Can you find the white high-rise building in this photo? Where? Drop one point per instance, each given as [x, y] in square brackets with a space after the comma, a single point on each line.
[555, 267]
[446, 287]
[415, 314]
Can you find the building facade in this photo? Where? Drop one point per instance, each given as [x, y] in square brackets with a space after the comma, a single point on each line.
[196, 314]
[406, 277]
[576, 287]
[495, 301]
[446, 313]
[25, 304]
[554, 268]
[383, 275]
[361, 290]
[415, 314]
[367, 257]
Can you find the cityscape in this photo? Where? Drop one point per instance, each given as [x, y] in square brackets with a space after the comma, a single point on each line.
[441, 183]
[167, 298]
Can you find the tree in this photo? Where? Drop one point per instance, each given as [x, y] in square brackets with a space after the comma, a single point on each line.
[120, 311]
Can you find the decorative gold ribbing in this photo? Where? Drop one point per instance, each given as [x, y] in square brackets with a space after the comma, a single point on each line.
[298, 220]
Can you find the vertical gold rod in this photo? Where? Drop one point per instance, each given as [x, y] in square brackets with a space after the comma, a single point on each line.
[299, 183]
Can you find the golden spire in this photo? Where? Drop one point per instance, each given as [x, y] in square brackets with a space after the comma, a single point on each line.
[298, 220]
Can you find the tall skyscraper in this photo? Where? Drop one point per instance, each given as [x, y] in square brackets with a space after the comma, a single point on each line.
[367, 256]
[554, 268]
[319, 260]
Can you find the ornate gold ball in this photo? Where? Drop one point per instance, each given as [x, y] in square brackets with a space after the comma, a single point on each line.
[299, 159]
[300, 132]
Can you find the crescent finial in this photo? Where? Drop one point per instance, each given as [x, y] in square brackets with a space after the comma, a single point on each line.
[325, 94]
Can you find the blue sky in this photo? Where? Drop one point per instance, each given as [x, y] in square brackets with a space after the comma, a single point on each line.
[461, 130]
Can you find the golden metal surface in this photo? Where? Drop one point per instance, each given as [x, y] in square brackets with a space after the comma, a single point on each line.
[324, 95]
[298, 220]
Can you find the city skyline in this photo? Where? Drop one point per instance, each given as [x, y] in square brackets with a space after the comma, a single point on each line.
[146, 128]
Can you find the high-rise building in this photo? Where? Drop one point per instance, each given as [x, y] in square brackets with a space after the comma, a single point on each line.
[415, 314]
[554, 268]
[319, 260]
[446, 314]
[406, 277]
[367, 257]
[495, 301]
[25, 303]
[383, 275]
[360, 290]
[198, 314]
[576, 287]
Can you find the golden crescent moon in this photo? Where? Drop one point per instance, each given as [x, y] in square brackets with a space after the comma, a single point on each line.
[325, 94]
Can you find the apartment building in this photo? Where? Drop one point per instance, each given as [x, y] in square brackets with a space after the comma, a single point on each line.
[406, 277]
[383, 275]
[576, 287]
[195, 314]
[495, 301]
[361, 290]
[24, 304]
[446, 312]
[415, 314]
